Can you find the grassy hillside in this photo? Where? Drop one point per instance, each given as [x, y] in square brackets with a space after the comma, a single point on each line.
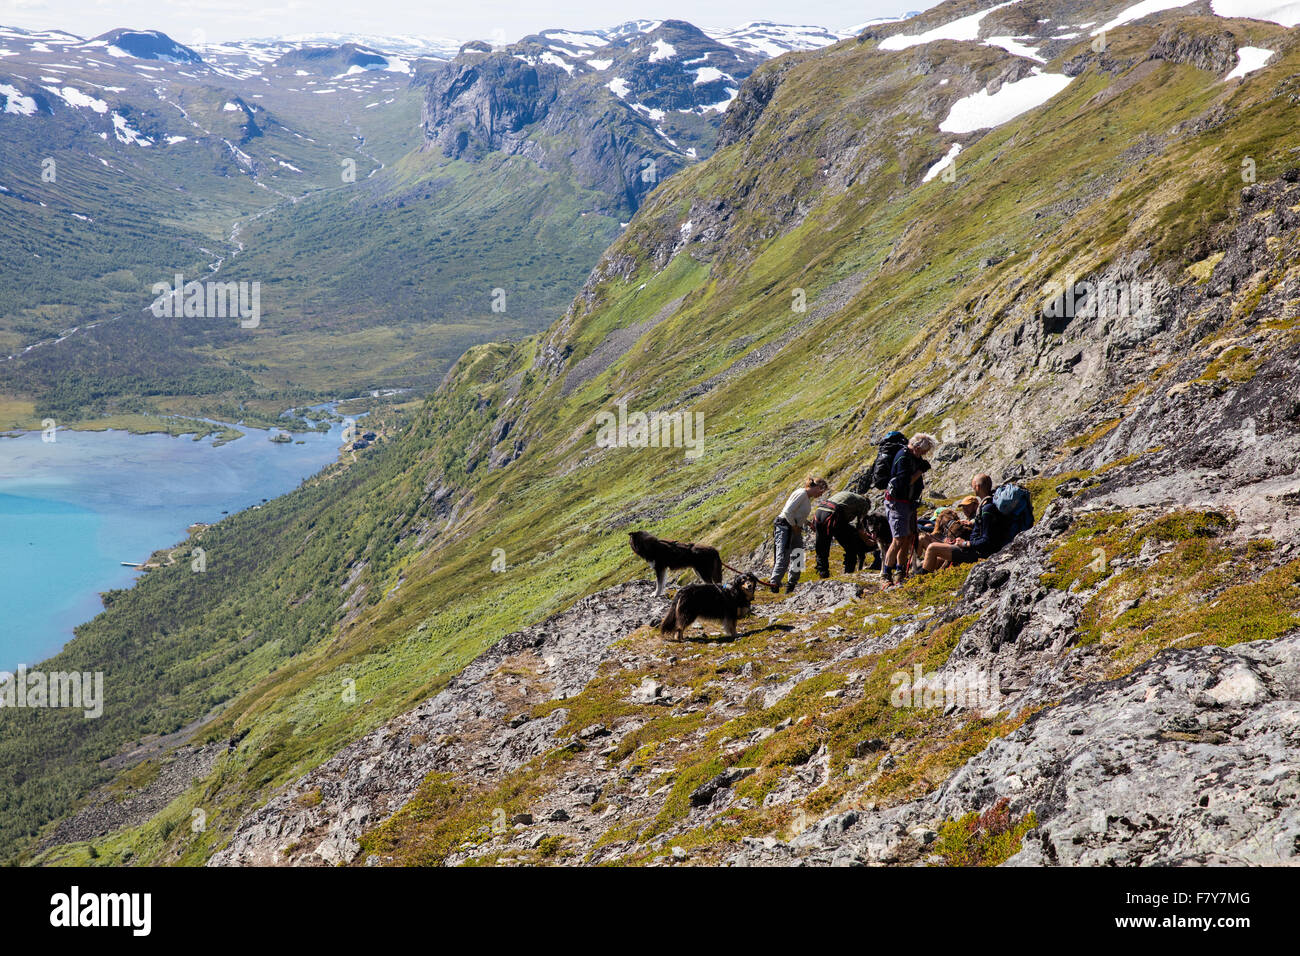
[923, 311]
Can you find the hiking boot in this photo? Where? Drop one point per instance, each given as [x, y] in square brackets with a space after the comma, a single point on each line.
[886, 577]
[789, 588]
[776, 585]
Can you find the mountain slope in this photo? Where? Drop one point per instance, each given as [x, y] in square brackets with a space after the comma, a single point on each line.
[1161, 437]
[377, 241]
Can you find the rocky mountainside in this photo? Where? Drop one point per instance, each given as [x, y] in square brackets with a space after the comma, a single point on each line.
[335, 60]
[1071, 259]
[622, 112]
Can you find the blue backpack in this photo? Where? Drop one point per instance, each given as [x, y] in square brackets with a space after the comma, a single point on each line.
[1016, 506]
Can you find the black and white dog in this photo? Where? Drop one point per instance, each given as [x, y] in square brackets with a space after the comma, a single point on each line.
[710, 602]
[668, 556]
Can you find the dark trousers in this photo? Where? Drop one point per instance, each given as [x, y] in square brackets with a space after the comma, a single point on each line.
[830, 526]
[785, 540]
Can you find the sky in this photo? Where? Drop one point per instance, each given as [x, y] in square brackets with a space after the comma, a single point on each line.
[217, 20]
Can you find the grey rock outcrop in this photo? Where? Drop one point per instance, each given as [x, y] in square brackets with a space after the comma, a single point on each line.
[1192, 759]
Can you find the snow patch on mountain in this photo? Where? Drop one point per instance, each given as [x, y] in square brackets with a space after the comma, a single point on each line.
[939, 167]
[126, 134]
[1015, 46]
[556, 60]
[963, 28]
[984, 110]
[16, 102]
[1138, 11]
[767, 39]
[582, 40]
[74, 97]
[663, 51]
[709, 74]
[1249, 59]
[1285, 12]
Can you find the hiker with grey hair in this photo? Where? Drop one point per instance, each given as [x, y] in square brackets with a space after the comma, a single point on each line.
[902, 498]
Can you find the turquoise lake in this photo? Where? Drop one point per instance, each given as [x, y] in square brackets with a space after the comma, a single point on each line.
[73, 509]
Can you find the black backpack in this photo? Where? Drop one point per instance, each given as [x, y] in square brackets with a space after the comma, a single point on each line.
[860, 484]
[889, 447]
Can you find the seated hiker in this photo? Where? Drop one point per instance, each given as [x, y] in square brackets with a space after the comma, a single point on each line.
[988, 536]
[902, 496]
[834, 520]
[788, 529]
[950, 523]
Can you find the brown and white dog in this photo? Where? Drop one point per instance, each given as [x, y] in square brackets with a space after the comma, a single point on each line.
[672, 555]
[710, 602]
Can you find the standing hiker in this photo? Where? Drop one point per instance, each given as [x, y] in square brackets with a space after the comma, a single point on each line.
[788, 529]
[902, 497]
[835, 521]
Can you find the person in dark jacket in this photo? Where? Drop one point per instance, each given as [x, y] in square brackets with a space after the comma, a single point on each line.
[987, 537]
[837, 520]
[902, 498]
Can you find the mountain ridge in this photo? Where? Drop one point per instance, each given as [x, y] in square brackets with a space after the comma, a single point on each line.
[1163, 438]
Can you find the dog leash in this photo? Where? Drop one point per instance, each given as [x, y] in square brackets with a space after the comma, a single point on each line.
[738, 571]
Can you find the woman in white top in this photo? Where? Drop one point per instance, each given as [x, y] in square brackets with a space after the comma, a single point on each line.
[787, 531]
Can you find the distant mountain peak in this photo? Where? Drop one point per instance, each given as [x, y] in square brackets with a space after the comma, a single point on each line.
[143, 45]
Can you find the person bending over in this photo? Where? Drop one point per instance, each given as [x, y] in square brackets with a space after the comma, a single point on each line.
[834, 521]
[788, 529]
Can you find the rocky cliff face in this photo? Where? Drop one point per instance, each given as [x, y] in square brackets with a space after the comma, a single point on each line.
[623, 115]
[1192, 757]
[483, 101]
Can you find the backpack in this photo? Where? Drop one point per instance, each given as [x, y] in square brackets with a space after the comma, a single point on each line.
[1015, 504]
[860, 484]
[889, 446]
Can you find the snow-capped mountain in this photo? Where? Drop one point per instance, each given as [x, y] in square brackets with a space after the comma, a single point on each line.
[404, 45]
[767, 39]
[760, 37]
[879, 22]
[348, 59]
[603, 107]
[142, 45]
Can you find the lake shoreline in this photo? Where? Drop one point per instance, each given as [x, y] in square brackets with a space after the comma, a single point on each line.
[81, 505]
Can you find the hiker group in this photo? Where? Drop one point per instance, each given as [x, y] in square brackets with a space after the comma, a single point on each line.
[903, 540]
